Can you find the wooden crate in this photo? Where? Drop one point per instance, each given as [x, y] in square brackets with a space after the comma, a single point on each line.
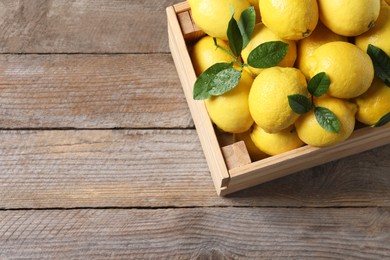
[242, 173]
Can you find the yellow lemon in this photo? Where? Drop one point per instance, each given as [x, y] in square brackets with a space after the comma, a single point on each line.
[378, 36]
[262, 34]
[349, 17]
[349, 68]
[212, 16]
[230, 111]
[311, 132]
[308, 45]
[204, 54]
[276, 143]
[254, 152]
[374, 103]
[290, 19]
[268, 98]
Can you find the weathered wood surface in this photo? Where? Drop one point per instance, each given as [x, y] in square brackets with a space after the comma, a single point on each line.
[197, 233]
[144, 191]
[164, 168]
[83, 26]
[91, 91]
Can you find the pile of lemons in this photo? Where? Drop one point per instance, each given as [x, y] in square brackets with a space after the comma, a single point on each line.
[328, 36]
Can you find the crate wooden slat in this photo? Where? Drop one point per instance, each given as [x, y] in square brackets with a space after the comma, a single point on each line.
[231, 180]
[198, 110]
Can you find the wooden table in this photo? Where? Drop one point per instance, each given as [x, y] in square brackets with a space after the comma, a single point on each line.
[99, 157]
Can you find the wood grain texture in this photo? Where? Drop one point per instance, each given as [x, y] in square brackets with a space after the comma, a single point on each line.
[197, 233]
[91, 91]
[83, 26]
[164, 168]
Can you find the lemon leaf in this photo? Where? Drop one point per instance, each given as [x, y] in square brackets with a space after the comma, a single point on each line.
[202, 84]
[381, 63]
[246, 24]
[299, 103]
[327, 119]
[383, 120]
[387, 81]
[234, 37]
[319, 84]
[224, 81]
[267, 54]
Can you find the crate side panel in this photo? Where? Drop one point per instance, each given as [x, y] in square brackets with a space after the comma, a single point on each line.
[198, 110]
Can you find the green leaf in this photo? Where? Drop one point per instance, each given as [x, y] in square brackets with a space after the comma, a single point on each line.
[381, 63]
[327, 119]
[387, 81]
[299, 103]
[202, 83]
[384, 120]
[224, 81]
[234, 37]
[319, 84]
[267, 54]
[246, 24]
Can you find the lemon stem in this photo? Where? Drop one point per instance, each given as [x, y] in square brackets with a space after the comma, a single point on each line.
[312, 101]
[234, 58]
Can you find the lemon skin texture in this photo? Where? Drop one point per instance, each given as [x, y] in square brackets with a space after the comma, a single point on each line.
[311, 132]
[230, 111]
[276, 143]
[349, 68]
[308, 45]
[378, 36]
[204, 54]
[349, 17]
[268, 101]
[212, 16]
[374, 103]
[290, 19]
[262, 34]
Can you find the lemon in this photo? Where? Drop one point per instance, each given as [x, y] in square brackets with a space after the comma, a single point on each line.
[311, 132]
[262, 34]
[212, 16]
[349, 68]
[254, 152]
[204, 54]
[378, 36]
[374, 103]
[290, 19]
[268, 102]
[349, 17]
[276, 143]
[230, 111]
[307, 46]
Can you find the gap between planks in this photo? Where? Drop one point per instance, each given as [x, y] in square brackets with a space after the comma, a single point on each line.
[194, 207]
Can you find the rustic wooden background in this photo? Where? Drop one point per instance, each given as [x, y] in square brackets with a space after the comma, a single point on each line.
[99, 157]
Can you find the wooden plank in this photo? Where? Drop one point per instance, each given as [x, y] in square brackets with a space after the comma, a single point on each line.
[91, 91]
[164, 168]
[197, 233]
[83, 26]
